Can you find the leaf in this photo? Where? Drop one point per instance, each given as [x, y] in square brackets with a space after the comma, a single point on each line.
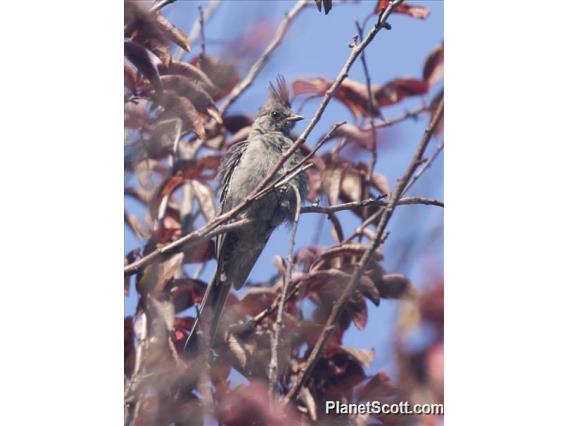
[140, 58]
[365, 357]
[377, 388]
[191, 72]
[369, 290]
[352, 94]
[130, 79]
[223, 75]
[257, 299]
[420, 12]
[157, 275]
[352, 184]
[173, 33]
[180, 106]
[200, 253]
[136, 227]
[185, 292]
[380, 183]
[434, 66]
[357, 310]
[327, 6]
[396, 90]
[363, 138]
[394, 286]
[205, 197]
[308, 399]
[237, 349]
[200, 99]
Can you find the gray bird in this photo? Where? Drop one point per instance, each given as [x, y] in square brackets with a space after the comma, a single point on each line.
[245, 165]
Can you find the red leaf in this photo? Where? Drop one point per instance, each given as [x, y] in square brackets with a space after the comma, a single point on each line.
[352, 94]
[185, 292]
[205, 197]
[189, 71]
[378, 387]
[179, 106]
[140, 58]
[200, 99]
[363, 138]
[256, 300]
[200, 253]
[395, 91]
[420, 12]
[394, 286]
[434, 66]
[223, 75]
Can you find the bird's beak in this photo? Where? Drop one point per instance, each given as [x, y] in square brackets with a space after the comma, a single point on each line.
[294, 118]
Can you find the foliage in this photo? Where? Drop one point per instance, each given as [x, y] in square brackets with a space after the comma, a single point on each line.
[176, 135]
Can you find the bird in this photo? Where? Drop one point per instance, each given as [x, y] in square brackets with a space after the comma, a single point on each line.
[245, 165]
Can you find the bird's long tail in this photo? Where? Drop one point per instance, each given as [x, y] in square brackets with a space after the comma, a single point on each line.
[209, 313]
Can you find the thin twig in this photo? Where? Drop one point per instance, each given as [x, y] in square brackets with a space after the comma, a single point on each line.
[378, 236]
[370, 112]
[261, 61]
[208, 12]
[428, 163]
[273, 367]
[370, 202]
[202, 32]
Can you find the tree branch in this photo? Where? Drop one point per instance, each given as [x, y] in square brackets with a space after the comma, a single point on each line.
[369, 202]
[273, 367]
[259, 64]
[339, 305]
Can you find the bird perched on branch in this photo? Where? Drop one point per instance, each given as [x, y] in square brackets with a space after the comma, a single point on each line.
[246, 164]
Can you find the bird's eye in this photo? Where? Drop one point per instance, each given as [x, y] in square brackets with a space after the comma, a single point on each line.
[276, 114]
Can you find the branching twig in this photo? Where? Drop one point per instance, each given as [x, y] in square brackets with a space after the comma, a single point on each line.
[259, 64]
[273, 367]
[370, 202]
[378, 236]
[424, 167]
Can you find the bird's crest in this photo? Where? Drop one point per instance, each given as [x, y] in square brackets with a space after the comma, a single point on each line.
[279, 93]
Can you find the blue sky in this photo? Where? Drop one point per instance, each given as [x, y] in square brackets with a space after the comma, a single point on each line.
[317, 45]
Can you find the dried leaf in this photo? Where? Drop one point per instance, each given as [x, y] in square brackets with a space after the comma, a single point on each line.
[420, 12]
[365, 357]
[200, 99]
[363, 138]
[200, 253]
[395, 91]
[205, 197]
[237, 350]
[434, 66]
[140, 58]
[380, 183]
[135, 225]
[180, 106]
[394, 286]
[173, 33]
[331, 180]
[223, 75]
[377, 388]
[191, 72]
[256, 300]
[185, 292]
[308, 399]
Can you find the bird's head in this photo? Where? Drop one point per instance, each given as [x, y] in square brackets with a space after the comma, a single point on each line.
[276, 115]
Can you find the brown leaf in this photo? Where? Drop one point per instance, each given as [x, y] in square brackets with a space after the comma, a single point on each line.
[380, 183]
[377, 388]
[200, 253]
[255, 300]
[363, 138]
[157, 275]
[200, 99]
[223, 75]
[237, 349]
[352, 94]
[420, 12]
[130, 79]
[137, 228]
[185, 292]
[396, 90]
[205, 197]
[365, 357]
[394, 286]
[331, 180]
[180, 106]
[356, 309]
[173, 33]
[191, 72]
[139, 57]
[434, 66]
